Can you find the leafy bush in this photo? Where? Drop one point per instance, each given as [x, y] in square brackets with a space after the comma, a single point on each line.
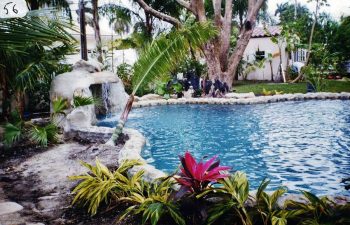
[43, 135]
[195, 177]
[102, 185]
[154, 201]
[214, 197]
[124, 72]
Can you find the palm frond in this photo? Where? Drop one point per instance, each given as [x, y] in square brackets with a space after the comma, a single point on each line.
[43, 135]
[59, 105]
[162, 55]
[83, 101]
[19, 32]
[12, 134]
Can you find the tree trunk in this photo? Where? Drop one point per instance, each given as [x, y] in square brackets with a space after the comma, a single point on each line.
[310, 43]
[5, 97]
[213, 62]
[271, 71]
[20, 103]
[95, 19]
[220, 63]
[34, 5]
[121, 123]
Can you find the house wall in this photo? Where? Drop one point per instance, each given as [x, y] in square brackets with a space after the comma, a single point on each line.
[264, 44]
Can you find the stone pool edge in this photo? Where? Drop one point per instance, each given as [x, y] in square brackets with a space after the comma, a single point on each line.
[245, 100]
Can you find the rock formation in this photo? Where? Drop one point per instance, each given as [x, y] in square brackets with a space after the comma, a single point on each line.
[79, 82]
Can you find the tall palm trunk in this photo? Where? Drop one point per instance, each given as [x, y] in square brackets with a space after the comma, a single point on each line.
[121, 123]
[271, 70]
[310, 42]
[161, 57]
[20, 103]
[5, 96]
[96, 26]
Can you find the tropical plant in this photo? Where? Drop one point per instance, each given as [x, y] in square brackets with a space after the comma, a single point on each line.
[124, 72]
[79, 101]
[319, 210]
[195, 177]
[31, 50]
[319, 4]
[12, 133]
[160, 57]
[14, 129]
[268, 208]
[154, 201]
[43, 135]
[168, 87]
[102, 185]
[234, 192]
[59, 106]
[314, 78]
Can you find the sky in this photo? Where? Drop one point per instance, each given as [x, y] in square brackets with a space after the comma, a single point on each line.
[337, 8]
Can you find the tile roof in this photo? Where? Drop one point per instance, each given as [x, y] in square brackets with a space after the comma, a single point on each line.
[266, 32]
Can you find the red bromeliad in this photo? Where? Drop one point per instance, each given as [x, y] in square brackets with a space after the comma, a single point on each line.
[194, 177]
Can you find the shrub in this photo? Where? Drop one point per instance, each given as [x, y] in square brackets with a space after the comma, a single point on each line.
[102, 185]
[214, 197]
[195, 177]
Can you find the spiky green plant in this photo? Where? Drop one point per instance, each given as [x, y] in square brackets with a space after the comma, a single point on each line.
[234, 191]
[59, 105]
[83, 101]
[267, 205]
[154, 202]
[102, 185]
[161, 57]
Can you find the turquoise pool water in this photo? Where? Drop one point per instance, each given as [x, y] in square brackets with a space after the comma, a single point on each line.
[301, 145]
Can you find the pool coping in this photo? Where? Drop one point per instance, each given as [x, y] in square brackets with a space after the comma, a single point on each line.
[245, 100]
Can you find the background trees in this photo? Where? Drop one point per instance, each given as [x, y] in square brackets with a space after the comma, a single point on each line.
[30, 52]
[222, 63]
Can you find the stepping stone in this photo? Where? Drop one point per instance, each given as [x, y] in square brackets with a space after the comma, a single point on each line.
[9, 207]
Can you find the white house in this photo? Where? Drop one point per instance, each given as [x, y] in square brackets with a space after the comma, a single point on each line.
[259, 48]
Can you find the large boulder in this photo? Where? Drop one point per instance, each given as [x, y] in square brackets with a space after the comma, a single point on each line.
[79, 82]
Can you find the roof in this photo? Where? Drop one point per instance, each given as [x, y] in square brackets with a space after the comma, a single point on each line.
[266, 32]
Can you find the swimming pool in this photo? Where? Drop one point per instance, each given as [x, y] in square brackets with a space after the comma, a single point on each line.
[301, 145]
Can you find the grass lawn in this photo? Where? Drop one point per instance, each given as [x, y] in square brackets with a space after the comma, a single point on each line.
[257, 87]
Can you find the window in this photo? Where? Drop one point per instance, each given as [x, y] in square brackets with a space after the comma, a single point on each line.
[259, 55]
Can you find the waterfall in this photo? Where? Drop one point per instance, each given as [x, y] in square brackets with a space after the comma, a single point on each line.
[106, 97]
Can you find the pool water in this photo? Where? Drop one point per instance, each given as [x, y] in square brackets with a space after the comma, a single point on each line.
[300, 145]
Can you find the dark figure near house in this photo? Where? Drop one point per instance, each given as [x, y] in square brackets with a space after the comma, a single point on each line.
[206, 86]
[185, 84]
[224, 88]
[217, 84]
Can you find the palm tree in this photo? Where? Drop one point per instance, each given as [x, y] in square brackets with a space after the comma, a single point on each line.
[30, 51]
[161, 57]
